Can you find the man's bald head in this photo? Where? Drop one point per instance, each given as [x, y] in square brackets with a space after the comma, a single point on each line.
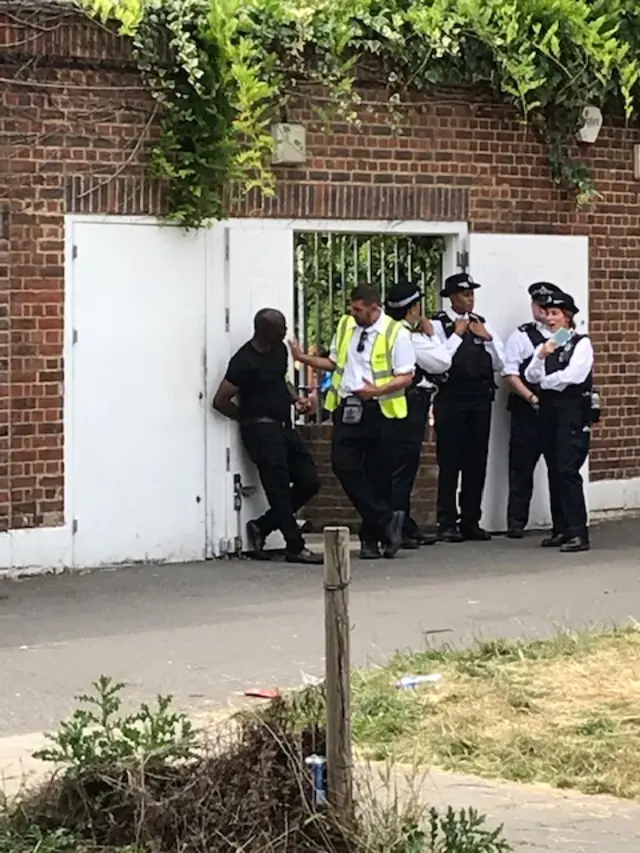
[270, 325]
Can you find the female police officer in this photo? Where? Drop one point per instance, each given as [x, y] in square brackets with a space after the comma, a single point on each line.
[562, 369]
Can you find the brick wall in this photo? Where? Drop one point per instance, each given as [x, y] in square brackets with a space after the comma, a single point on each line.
[75, 126]
[69, 130]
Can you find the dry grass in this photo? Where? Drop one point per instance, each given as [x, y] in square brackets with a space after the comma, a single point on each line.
[565, 712]
[244, 787]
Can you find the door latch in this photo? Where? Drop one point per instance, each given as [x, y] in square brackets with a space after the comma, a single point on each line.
[240, 492]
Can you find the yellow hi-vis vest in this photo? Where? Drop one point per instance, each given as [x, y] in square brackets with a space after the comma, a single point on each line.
[393, 405]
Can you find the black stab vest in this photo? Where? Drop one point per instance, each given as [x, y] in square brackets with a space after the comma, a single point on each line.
[470, 376]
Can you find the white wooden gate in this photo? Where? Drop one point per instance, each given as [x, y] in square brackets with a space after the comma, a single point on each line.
[505, 265]
[259, 274]
[136, 462]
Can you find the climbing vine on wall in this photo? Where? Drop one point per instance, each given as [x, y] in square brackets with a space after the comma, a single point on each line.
[222, 71]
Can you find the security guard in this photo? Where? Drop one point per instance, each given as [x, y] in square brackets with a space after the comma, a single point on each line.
[562, 368]
[373, 362]
[433, 358]
[462, 410]
[525, 447]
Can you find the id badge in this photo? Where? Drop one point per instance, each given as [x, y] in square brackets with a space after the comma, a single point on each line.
[352, 411]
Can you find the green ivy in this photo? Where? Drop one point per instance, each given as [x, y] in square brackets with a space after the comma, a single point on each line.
[222, 71]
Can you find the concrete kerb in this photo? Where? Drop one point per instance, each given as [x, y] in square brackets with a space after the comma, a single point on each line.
[18, 767]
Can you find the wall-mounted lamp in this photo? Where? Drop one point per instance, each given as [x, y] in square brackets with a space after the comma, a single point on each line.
[592, 126]
[290, 144]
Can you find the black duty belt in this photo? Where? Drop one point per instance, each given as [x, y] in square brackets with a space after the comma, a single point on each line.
[366, 404]
[264, 420]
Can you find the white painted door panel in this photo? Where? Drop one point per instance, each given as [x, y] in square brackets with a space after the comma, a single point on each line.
[505, 265]
[260, 275]
[217, 428]
[139, 407]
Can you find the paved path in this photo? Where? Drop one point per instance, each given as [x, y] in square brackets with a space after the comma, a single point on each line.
[539, 820]
[203, 631]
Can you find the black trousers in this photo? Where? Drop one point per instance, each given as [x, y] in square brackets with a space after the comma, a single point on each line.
[565, 444]
[361, 458]
[525, 450]
[407, 448]
[287, 473]
[462, 447]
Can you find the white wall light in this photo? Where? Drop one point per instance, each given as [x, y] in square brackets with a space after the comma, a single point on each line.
[290, 144]
[590, 130]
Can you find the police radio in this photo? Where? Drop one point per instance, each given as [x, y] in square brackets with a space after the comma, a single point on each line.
[591, 407]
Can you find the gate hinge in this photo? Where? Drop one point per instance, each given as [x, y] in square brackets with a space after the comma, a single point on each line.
[74, 252]
[74, 526]
[74, 337]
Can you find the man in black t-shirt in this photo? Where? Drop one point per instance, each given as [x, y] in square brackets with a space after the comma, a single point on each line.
[256, 379]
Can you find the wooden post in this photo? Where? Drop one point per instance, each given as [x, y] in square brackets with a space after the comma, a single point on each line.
[337, 575]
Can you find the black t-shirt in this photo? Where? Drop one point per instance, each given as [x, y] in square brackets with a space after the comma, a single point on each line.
[261, 380]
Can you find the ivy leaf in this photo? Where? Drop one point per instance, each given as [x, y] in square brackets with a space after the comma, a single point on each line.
[222, 70]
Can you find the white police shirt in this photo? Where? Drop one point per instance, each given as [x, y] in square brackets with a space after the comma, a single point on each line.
[357, 370]
[575, 373]
[432, 355]
[519, 348]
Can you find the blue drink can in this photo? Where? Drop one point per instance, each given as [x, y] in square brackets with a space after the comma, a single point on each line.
[317, 764]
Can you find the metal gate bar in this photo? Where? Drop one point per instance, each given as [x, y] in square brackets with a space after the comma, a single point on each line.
[328, 266]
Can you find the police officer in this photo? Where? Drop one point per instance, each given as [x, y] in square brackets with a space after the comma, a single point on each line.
[525, 447]
[372, 361]
[462, 410]
[562, 369]
[433, 358]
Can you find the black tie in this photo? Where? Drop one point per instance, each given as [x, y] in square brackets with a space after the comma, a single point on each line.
[363, 339]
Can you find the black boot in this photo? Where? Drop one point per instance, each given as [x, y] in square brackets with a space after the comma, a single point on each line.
[474, 533]
[424, 539]
[575, 544]
[553, 541]
[393, 535]
[515, 531]
[370, 551]
[305, 557]
[449, 534]
[256, 537]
